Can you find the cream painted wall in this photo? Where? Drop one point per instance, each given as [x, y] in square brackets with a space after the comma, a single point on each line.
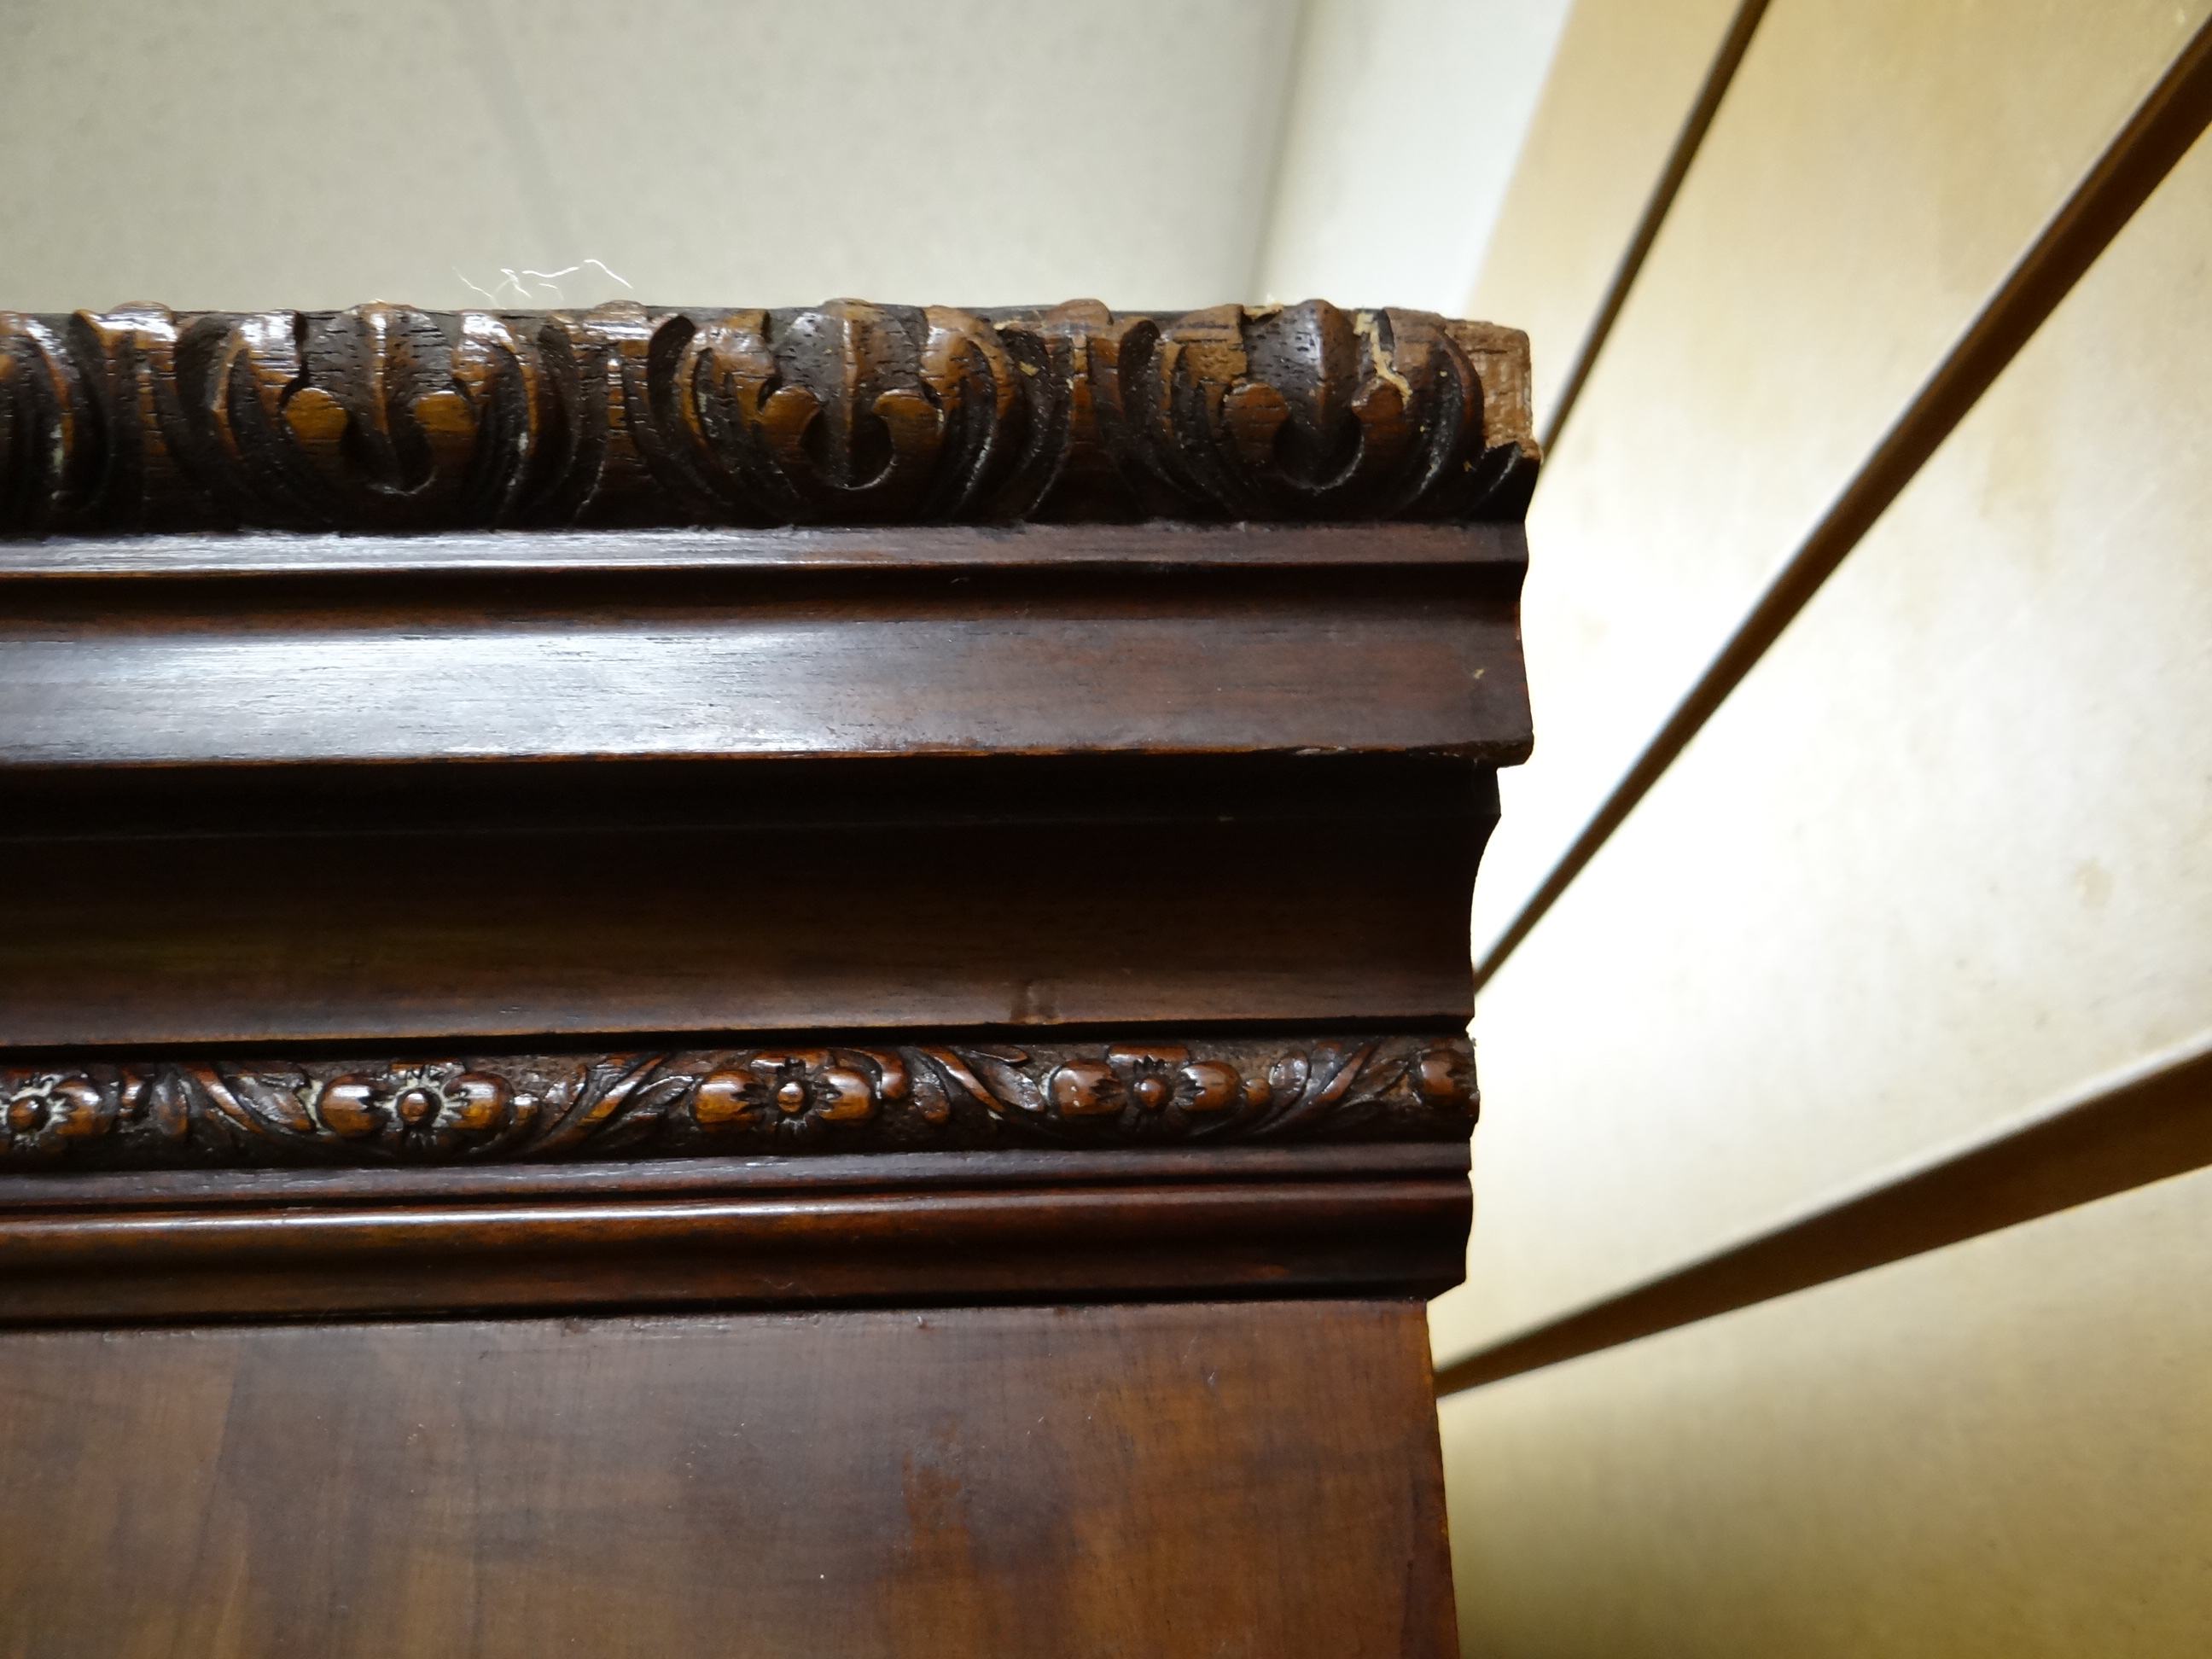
[1876, 168]
[254, 153]
[1622, 85]
[1946, 854]
[2001, 1450]
[1404, 127]
[1943, 857]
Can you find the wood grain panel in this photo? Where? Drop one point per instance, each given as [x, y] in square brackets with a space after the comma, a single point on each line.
[1255, 1479]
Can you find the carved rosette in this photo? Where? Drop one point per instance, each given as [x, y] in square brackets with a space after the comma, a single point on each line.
[195, 1114]
[385, 418]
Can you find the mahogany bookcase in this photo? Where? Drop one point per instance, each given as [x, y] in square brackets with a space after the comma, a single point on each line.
[693, 982]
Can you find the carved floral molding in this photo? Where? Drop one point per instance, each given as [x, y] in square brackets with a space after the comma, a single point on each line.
[211, 1113]
[388, 419]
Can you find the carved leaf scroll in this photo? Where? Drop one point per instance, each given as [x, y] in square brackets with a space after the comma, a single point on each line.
[188, 1113]
[385, 418]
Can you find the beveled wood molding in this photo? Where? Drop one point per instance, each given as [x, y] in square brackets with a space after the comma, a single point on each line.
[1484, 558]
[918, 1228]
[876, 1096]
[385, 418]
[1225, 653]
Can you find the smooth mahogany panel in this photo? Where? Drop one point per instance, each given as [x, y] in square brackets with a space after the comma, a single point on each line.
[1258, 1478]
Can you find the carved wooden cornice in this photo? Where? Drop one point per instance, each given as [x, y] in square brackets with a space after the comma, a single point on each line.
[950, 1095]
[449, 755]
[385, 418]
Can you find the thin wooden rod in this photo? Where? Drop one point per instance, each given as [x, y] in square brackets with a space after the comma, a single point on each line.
[2144, 1125]
[1733, 46]
[2163, 127]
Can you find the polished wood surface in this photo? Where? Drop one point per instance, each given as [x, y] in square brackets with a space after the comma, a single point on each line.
[1258, 1478]
[950, 1094]
[864, 906]
[457, 903]
[760, 660]
[924, 1229]
[1493, 552]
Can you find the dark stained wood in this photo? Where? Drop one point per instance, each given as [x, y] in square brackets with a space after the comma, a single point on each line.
[1493, 554]
[756, 663]
[452, 902]
[916, 1228]
[1030, 1167]
[1036, 1167]
[1260, 1478]
[387, 418]
[867, 904]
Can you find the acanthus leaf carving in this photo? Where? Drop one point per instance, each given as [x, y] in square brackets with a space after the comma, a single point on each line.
[389, 419]
[50, 443]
